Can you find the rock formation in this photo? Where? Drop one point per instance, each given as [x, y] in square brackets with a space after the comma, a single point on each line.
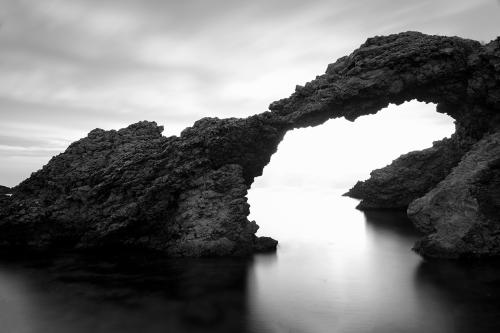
[134, 188]
[461, 214]
[408, 177]
[4, 190]
[186, 195]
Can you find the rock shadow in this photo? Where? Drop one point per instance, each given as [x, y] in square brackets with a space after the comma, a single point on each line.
[469, 289]
[394, 221]
[122, 293]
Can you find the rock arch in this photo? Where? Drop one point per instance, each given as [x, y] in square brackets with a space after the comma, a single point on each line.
[186, 195]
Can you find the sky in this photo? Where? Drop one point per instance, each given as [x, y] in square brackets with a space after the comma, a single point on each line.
[67, 67]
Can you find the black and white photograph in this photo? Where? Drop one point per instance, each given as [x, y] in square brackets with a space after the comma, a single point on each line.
[266, 166]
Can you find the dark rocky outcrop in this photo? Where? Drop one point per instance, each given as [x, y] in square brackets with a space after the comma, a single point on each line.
[134, 188]
[461, 214]
[4, 190]
[186, 196]
[409, 177]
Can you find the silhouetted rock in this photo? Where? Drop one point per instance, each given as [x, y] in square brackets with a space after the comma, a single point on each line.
[186, 196]
[134, 188]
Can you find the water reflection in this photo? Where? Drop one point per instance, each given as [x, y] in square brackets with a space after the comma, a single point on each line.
[336, 270]
[470, 291]
[392, 222]
[122, 294]
[358, 273]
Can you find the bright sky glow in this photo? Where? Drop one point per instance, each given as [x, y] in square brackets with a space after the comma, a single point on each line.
[67, 67]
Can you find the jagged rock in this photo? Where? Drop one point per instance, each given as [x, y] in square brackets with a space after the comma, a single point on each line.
[4, 190]
[461, 215]
[413, 174]
[134, 188]
[186, 196]
[409, 177]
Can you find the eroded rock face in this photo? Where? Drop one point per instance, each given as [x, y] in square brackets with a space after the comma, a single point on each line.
[409, 177]
[461, 215]
[134, 188]
[186, 196]
[475, 110]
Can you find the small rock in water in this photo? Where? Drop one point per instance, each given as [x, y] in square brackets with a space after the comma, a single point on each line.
[265, 244]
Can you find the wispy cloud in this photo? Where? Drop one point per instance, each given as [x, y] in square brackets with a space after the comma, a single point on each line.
[105, 63]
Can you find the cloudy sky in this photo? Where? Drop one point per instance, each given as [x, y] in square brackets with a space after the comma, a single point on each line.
[68, 66]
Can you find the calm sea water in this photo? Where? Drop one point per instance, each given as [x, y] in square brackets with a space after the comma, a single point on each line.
[336, 270]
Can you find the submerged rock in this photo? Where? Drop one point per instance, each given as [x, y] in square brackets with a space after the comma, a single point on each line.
[186, 196]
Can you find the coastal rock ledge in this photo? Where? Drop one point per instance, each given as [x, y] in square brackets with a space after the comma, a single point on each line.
[185, 195]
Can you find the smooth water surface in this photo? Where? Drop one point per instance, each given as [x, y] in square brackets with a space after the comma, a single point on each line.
[342, 270]
[336, 270]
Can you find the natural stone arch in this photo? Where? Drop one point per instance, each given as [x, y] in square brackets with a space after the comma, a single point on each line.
[186, 195]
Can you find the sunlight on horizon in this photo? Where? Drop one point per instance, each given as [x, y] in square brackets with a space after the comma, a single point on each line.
[314, 166]
[338, 153]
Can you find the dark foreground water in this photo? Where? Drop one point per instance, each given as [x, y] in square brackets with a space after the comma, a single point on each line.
[336, 270]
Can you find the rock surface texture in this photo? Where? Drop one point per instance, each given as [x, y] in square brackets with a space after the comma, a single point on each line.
[408, 177]
[461, 214]
[186, 195]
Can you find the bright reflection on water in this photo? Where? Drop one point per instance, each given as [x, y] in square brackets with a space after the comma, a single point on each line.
[338, 270]
[341, 270]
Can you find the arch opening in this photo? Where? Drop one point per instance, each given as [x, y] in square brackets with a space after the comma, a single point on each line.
[331, 253]
[317, 164]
